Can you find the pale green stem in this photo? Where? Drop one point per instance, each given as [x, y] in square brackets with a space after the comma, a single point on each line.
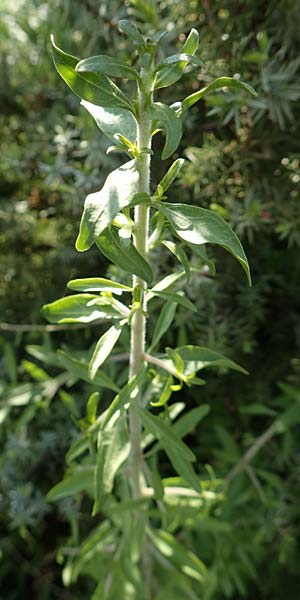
[138, 323]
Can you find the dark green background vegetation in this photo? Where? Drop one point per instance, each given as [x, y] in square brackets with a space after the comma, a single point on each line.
[244, 163]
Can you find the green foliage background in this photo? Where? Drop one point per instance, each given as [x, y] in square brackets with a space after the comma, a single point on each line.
[244, 164]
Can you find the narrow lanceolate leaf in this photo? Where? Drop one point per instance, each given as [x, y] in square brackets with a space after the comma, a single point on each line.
[132, 32]
[112, 121]
[80, 481]
[171, 73]
[101, 207]
[171, 174]
[98, 284]
[173, 297]
[113, 449]
[94, 88]
[184, 560]
[180, 254]
[128, 259]
[197, 357]
[198, 226]
[165, 434]
[127, 394]
[80, 308]
[171, 122]
[80, 370]
[106, 65]
[178, 58]
[219, 83]
[103, 348]
[163, 322]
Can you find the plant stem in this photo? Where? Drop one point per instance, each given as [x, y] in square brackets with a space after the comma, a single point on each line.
[138, 323]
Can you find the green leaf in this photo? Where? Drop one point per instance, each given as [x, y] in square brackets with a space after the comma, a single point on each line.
[163, 322]
[186, 423]
[221, 82]
[180, 254]
[167, 281]
[170, 121]
[97, 89]
[80, 308]
[173, 297]
[183, 559]
[79, 370]
[178, 58]
[171, 73]
[96, 543]
[113, 450]
[103, 348]
[171, 174]
[165, 434]
[198, 226]
[125, 395]
[189, 421]
[197, 357]
[183, 468]
[80, 481]
[101, 207]
[128, 259]
[106, 65]
[132, 32]
[91, 411]
[98, 284]
[113, 121]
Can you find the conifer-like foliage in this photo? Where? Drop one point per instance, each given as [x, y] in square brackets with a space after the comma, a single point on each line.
[135, 544]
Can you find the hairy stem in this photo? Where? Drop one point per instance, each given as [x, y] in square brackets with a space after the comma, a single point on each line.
[138, 324]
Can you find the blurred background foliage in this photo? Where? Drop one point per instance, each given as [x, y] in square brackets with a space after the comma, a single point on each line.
[243, 162]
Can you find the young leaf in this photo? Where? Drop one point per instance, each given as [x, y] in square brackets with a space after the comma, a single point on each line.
[128, 259]
[106, 65]
[171, 73]
[163, 322]
[198, 226]
[171, 174]
[101, 207]
[165, 434]
[103, 348]
[221, 82]
[113, 121]
[170, 121]
[197, 357]
[173, 297]
[98, 284]
[80, 481]
[97, 89]
[80, 308]
[183, 559]
[79, 370]
[91, 407]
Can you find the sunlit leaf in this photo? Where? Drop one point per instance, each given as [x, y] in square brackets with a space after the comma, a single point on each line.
[198, 226]
[113, 121]
[97, 89]
[101, 207]
[171, 122]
